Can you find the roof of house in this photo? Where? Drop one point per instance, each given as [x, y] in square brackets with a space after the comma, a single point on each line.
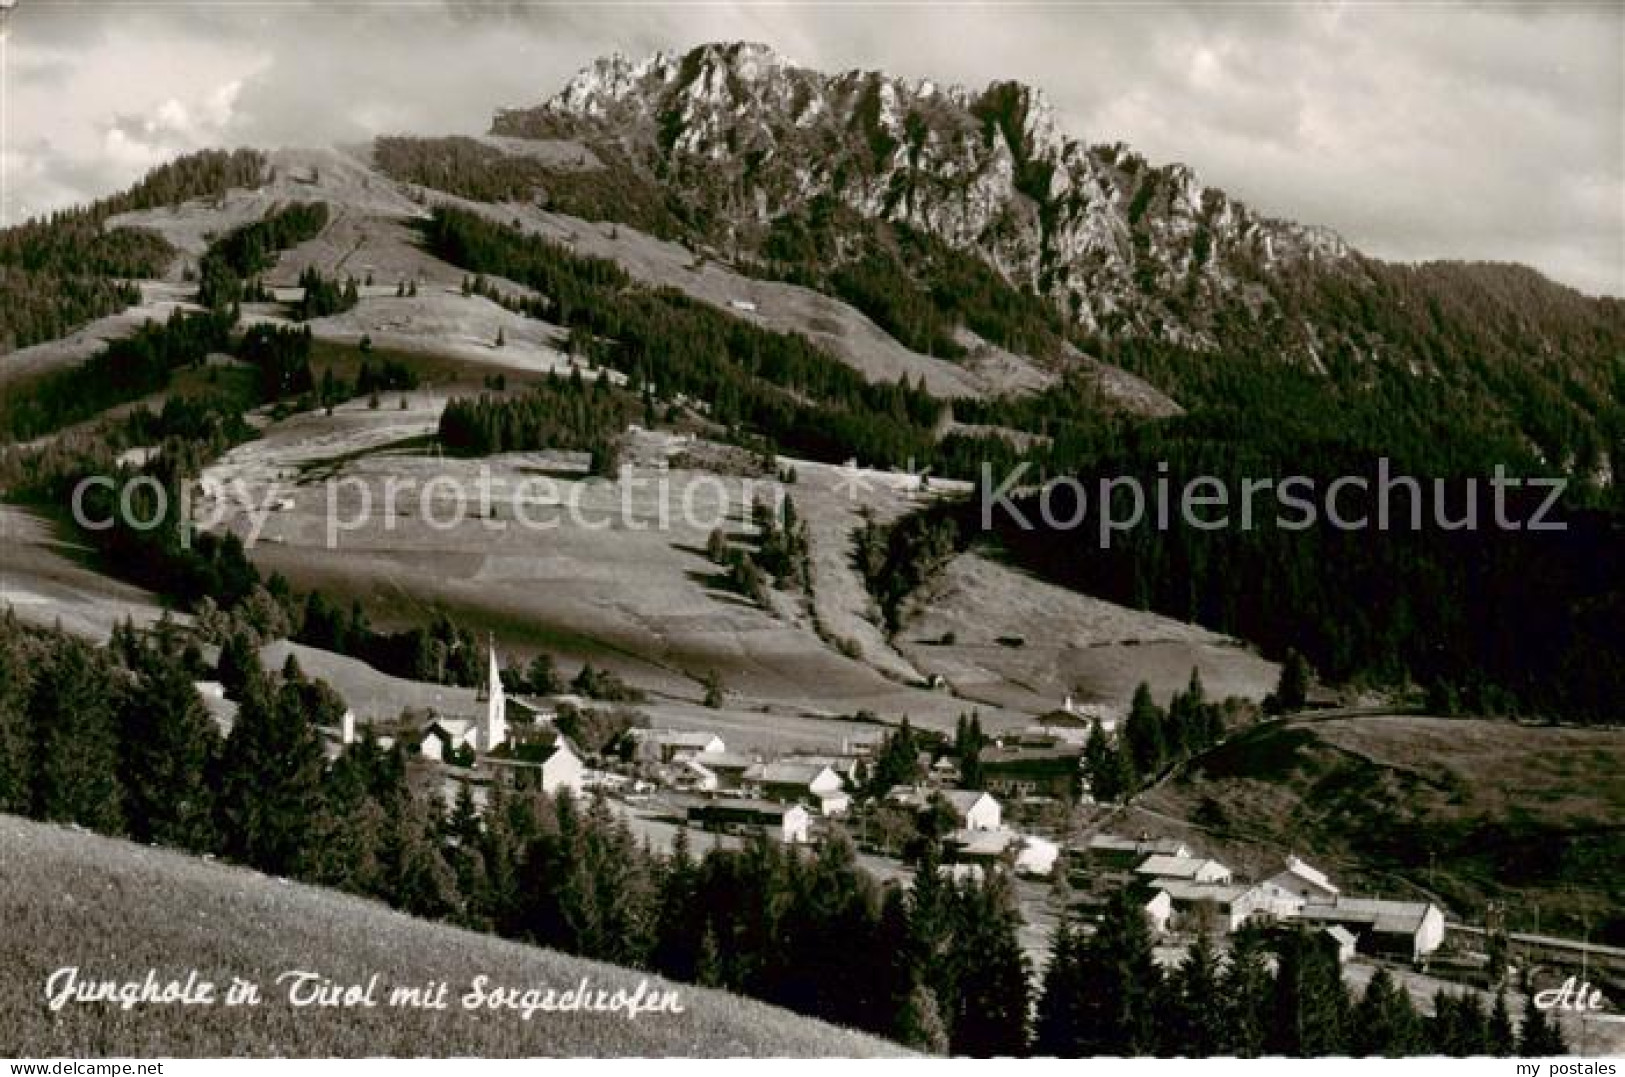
[677, 738]
[964, 800]
[1164, 865]
[1377, 914]
[1050, 759]
[1060, 716]
[1307, 873]
[798, 774]
[983, 842]
[1188, 890]
[728, 761]
[548, 741]
[747, 806]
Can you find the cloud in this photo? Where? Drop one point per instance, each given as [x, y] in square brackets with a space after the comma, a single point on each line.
[1472, 132]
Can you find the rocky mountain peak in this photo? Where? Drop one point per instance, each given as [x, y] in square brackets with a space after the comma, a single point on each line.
[747, 137]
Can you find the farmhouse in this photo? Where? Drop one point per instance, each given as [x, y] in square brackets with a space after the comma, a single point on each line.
[1301, 881]
[785, 822]
[548, 757]
[809, 783]
[973, 810]
[1408, 929]
[980, 846]
[1021, 772]
[1110, 852]
[1071, 723]
[730, 769]
[1159, 911]
[1207, 907]
[672, 745]
[1188, 868]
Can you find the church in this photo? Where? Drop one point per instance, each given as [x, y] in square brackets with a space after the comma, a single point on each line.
[483, 734]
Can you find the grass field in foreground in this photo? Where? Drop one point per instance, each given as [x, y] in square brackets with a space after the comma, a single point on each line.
[115, 910]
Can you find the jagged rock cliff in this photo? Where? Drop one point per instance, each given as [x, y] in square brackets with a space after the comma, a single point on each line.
[746, 136]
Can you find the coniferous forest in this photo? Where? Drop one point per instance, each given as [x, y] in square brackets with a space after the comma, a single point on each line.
[59, 272]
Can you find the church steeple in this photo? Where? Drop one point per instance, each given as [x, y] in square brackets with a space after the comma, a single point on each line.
[495, 731]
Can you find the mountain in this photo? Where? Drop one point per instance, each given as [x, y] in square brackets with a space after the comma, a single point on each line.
[952, 216]
[749, 136]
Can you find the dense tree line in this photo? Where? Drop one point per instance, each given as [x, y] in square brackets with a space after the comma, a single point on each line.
[913, 285]
[125, 369]
[1105, 994]
[779, 558]
[777, 384]
[558, 413]
[1151, 740]
[321, 296]
[896, 560]
[58, 272]
[229, 271]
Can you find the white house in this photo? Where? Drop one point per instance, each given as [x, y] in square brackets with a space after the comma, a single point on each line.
[1199, 870]
[787, 823]
[973, 809]
[1211, 906]
[549, 755]
[1408, 929]
[808, 783]
[1298, 883]
[1037, 856]
[1159, 910]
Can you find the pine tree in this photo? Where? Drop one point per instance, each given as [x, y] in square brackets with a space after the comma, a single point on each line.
[1310, 1011]
[1501, 1040]
[270, 778]
[920, 1025]
[169, 746]
[1099, 992]
[1057, 1026]
[1106, 766]
[1292, 690]
[1248, 990]
[76, 776]
[238, 665]
[1385, 1022]
[1538, 1036]
[991, 1012]
[1144, 734]
[1195, 1013]
[16, 771]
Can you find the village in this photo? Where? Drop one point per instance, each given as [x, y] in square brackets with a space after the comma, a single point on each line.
[1021, 818]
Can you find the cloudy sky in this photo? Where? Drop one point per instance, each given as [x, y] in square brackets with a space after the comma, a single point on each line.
[1493, 131]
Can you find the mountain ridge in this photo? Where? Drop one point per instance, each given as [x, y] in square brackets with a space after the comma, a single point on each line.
[1094, 229]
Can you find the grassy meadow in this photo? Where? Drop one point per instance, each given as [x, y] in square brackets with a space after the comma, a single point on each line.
[116, 910]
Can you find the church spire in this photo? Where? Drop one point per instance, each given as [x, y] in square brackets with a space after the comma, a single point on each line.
[495, 732]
